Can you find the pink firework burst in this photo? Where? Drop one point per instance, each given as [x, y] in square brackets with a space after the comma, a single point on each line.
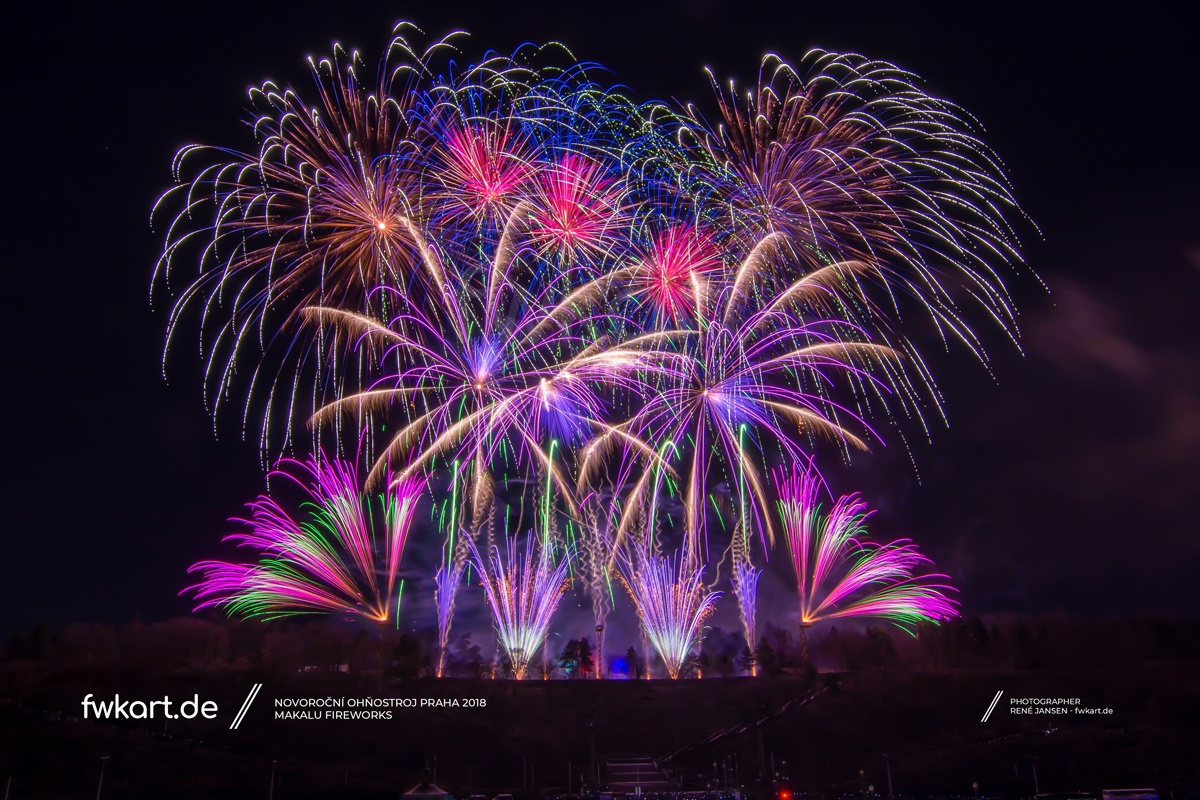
[485, 165]
[578, 206]
[665, 278]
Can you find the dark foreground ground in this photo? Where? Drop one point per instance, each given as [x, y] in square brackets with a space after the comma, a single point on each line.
[505, 735]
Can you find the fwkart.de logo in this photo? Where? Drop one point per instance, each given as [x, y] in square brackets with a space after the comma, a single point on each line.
[166, 708]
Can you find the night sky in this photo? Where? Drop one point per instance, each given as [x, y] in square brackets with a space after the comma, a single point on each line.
[1068, 480]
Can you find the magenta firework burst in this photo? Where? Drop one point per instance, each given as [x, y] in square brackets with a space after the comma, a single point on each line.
[664, 279]
[338, 553]
[839, 573]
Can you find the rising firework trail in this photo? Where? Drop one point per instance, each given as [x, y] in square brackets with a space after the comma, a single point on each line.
[744, 578]
[339, 554]
[446, 583]
[593, 565]
[449, 576]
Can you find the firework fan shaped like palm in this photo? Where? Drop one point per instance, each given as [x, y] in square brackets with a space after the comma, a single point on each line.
[841, 574]
[341, 555]
[751, 377]
[489, 389]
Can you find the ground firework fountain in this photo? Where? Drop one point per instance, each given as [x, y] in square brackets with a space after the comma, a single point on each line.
[523, 588]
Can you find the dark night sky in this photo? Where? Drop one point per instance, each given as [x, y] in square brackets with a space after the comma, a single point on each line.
[1069, 481]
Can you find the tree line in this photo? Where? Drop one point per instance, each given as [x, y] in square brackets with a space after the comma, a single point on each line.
[979, 643]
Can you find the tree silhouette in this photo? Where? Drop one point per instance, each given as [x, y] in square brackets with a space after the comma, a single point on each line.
[637, 667]
[881, 650]
[410, 656]
[568, 659]
[747, 660]
[767, 659]
[587, 661]
[465, 660]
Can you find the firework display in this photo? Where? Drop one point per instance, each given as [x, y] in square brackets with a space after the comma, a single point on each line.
[749, 376]
[592, 564]
[615, 318]
[523, 589]
[447, 581]
[449, 576]
[672, 603]
[841, 574]
[318, 214]
[744, 579]
[854, 162]
[340, 553]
